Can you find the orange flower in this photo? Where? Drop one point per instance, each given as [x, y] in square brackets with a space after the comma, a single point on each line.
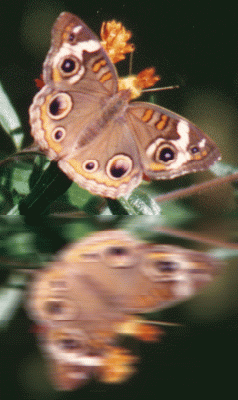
[146, 78]
[114, 40]
[136, 83]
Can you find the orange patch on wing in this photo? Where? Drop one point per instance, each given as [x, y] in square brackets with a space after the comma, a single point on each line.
[68, 29]
[99, 64]
[197, 156]
[156, 167]
[161, 124]
[157, 256]
[106, 77]
[38, 329]
[163, 293]
[148, 114]
[56, 75]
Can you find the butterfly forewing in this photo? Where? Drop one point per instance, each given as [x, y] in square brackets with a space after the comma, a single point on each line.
[74, 44]
[169, 145]
[68, 103]
[174, 274]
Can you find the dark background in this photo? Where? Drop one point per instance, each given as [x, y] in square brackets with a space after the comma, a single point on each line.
[193, 44]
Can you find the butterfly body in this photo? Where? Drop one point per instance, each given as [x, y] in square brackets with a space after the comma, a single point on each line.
[102, 140]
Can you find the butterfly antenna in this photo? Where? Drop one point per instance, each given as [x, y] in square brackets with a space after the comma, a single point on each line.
[161, 88]
[158, 323]
[131, 62]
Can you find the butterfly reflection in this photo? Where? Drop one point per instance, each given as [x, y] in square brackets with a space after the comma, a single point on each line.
[91, 295]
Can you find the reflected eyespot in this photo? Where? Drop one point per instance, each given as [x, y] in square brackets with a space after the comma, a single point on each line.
[117, 251]
[58, 308]
[119, 257]
[54, 307]
[159, 268]
[68, 341]
[59, 106]
[70, 344]
[166, 266]
[119, 166]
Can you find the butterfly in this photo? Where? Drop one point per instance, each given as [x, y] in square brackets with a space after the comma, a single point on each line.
[101, 139]
[98, 289]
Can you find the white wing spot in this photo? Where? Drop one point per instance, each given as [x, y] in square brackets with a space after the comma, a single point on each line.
[183, 127]
[77, 50]
[77, 29]
[202, 143]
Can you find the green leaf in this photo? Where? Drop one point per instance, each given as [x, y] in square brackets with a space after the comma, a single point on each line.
[84, 200]
[9, 119]
[77, 196]
[20, 179]
[50, 186]
[14, 210]
[140, 203]
[223, 169]
[11, 298]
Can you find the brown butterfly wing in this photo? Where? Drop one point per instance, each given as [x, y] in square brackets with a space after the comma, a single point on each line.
[169, 145]
[154, 278]
[68, 376]
[70, 359]
[140, 277]
[108, 164]
[76, 315]
[173, 274]
[73, 40]
[110, 273]
[79, 79]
